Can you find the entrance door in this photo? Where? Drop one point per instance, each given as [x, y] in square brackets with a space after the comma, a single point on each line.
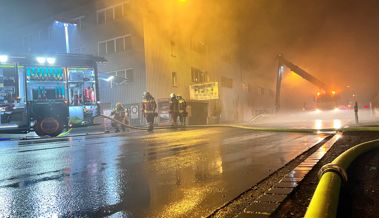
[199, 113]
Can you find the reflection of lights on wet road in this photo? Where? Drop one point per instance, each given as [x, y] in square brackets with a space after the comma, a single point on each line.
[318, 124]
[339, 135]
[190, 199]
[337, 124]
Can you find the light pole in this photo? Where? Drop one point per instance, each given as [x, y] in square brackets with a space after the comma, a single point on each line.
[66, 23]
[66, 37]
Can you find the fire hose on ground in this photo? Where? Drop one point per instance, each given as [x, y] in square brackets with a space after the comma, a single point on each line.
[325, 199]
[221, 125]
[263, 129]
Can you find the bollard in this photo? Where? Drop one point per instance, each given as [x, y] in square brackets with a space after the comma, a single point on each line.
[356, 112]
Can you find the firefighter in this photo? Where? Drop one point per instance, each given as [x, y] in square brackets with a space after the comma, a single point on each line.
[174, 109]
[148, 109]
[182, 105]
[118, 114]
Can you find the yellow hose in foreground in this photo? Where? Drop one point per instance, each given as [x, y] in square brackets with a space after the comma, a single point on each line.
[324, 202]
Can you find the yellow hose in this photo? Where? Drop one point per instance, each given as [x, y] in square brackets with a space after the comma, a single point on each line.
[324, 202]
[65, 133]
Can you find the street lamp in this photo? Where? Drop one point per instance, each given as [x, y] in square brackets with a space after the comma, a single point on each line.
[66, 22]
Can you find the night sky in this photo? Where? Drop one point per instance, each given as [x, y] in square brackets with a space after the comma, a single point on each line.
[21, 12]
[336, 40]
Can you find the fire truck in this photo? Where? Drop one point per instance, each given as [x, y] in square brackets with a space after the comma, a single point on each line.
[47, 93]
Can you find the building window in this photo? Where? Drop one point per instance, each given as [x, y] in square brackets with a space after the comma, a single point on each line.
[118, 12]
[115, 45]
[173, 79]
[79, 22]
[198, 76]
[120, 44]
[122, 76]
[172, 45]
[111, 47]
[226, 82]
[128, 42]
[101, 17]
[129, 74]
[102, 48]
[109, 15]
[115, 12]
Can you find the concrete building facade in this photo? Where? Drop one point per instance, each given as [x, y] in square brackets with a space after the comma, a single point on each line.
[161, 48]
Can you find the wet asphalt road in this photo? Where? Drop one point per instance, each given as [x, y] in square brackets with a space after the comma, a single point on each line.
[164, 174]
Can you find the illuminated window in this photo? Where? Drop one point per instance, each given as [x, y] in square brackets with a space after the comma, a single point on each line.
[198, 76]
[173, 79]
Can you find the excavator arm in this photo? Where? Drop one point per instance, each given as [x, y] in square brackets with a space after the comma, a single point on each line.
[296, 69]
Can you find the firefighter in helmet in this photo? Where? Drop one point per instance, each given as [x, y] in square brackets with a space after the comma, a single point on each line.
[118, 114]
[182, 105]
[174, 109]
[148, 109]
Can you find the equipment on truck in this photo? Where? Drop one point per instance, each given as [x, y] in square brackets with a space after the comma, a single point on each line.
[48, 94]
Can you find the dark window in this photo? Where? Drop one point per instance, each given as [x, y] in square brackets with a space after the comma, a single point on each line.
[121, 74]
[110, 47]
[128, 42]
[102, 48]
[109, 15]
[172, 44]
[118, 12]
[120, 45]
[80, 22]
[226, 82]
[173, 79]
[101, 17]
[129, 75]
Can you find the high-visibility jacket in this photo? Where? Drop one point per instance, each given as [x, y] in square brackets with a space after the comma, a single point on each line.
[119, 114]
[148, 105]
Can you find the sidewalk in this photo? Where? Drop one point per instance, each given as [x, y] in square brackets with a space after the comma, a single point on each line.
[361, 196]
[363, 181]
